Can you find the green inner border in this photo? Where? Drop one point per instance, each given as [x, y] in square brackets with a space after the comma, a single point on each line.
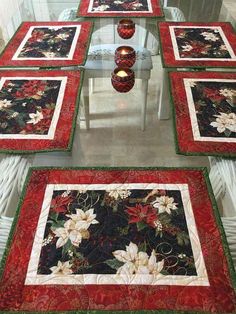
[164, 65]
[217, 220]
[174, 118]
[2, 67]
[158, 18]
[72, 133]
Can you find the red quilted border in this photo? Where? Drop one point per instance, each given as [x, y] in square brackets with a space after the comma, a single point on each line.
[156, 8]
[187, 144]
[168, 56]
[79, 56]
[14, 295]
[64, 127]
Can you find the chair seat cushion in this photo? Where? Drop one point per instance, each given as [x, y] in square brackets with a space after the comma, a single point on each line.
[102, 57]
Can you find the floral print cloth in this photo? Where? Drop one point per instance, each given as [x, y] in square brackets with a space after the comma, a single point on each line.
[27, 106]
[120, 5]
[215, 105]
[205, 108]
[131, 8]
[48, 42]
[139, 231]
[117, 240]
[200, 43]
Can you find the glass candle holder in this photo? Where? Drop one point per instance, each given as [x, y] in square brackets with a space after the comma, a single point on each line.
[125, 56]
[122, 79]
[126, 28]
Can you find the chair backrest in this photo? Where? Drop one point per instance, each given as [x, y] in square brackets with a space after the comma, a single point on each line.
[174, 14]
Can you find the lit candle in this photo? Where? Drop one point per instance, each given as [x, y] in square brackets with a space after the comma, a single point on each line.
[124, 52]
[121, 73]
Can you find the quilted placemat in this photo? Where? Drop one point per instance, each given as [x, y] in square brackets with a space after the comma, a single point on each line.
[48, 44]
[185, 44]
[110, 8]
[115, 239]
[205, 112]
[38, 110]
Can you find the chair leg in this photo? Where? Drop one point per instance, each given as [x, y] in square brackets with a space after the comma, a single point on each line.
[164, 106]
[92, 85]
[86, 102]
[144, 89]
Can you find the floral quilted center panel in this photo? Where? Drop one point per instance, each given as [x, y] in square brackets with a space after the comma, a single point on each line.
[120, 5]
[191, 43]
[212, 107]
[48, 43]
[30, 107]
[117, 234]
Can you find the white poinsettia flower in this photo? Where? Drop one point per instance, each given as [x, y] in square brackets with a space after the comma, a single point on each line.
[137, 5]
[137, 262]
[187, 48]
[119, 193]
[84, 219]
[164, 204]
[62, 36]
[63, 236]
[155, 267]
[62, 268]
[225, 121]
[227, 92]
[118, 2]
[35, 117]
[192, 84]
[209, 36]
[127, 269]
[5, 103]
[49, 54]
[129, 255]
[102, 7]
[223, 47]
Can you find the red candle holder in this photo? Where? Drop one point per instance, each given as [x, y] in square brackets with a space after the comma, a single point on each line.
[126, 28]
[125, 56]
[122, 79]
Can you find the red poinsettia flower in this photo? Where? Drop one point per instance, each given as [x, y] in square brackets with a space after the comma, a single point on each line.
[33, 89]
[59, 203]
[213, 94]
[36, 36]
[144, 213]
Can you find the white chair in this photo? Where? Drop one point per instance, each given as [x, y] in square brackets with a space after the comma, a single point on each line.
[223, 181]
[13, 170]
[173, 14]
[229, 224]
[5, 227]
[100, 63]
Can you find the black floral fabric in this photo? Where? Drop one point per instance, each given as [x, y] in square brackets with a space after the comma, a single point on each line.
[88, 232]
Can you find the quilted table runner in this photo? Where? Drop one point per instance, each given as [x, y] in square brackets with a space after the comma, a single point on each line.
[111, 8]
[38, 110]
[48, 44]
[117, 240]
[205, 112]
[187, 44]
